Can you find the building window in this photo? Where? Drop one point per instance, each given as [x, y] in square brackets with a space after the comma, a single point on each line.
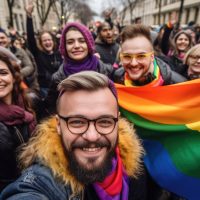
[22, 22]
[157, 4]
[196, 14]
[16, 21]
[187, 13]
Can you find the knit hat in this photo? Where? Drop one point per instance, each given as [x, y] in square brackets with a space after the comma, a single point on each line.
[3, 31]
[86, 34]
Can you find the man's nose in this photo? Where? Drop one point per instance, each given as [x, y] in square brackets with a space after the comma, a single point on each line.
[91, 134]
[133, 61]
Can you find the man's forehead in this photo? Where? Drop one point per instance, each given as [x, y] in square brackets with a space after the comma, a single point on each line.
[89, 104]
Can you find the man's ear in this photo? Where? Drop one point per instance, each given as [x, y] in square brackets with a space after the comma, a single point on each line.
[119, 114]
[152, 57]
[58, 125]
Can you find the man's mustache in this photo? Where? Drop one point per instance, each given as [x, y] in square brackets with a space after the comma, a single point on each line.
[87, 144]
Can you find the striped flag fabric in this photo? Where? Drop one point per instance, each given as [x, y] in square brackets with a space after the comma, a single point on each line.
[167, 118]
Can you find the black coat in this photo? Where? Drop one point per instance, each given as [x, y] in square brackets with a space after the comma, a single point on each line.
[11, 137]
[47, 63]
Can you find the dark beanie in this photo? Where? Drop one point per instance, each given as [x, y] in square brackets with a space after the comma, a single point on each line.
[86, 34]
[3, 31]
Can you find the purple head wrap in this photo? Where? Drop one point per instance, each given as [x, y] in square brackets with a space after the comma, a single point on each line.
[90, 62]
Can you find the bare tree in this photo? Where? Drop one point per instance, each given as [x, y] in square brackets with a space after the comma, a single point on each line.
[10, 8]
[84, 12]
[64, 9]
[129, 5]
[123, 15]
[43, 9]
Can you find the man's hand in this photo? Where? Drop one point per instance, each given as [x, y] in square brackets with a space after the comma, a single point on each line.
[173, 19]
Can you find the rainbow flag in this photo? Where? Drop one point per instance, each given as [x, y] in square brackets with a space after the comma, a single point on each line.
[167, 118]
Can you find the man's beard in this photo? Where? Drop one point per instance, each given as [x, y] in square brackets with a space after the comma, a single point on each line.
[88, 176]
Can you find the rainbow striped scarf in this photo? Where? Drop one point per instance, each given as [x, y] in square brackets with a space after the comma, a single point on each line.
[167, 118]
[156, 82]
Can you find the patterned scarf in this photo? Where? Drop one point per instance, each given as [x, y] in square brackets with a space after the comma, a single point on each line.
[115, 186]
[156, 82]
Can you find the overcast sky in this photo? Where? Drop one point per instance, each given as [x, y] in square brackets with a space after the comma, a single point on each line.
[98, 6]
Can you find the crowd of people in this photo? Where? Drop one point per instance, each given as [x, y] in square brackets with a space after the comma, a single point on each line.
[51, 93]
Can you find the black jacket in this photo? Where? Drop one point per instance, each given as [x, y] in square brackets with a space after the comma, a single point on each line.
[108, 52]
[11, 137]
[47, 63]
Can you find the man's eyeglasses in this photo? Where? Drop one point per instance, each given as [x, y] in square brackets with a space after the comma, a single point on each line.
[194, 58]
[79, 125]
[127, 58]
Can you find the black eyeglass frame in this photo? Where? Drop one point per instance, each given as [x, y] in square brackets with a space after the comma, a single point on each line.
[88, 123]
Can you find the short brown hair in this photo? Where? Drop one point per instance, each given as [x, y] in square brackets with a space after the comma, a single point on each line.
[87, 81]
[135, 30]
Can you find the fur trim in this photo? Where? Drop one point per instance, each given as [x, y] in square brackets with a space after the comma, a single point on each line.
[46, 147]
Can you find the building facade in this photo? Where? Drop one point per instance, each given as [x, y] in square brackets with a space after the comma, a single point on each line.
[19, 17]
[155, 12]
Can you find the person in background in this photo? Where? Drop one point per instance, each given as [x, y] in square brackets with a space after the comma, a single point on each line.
[47, 57]
[175, 46]
[88, 152]
[30, 79]
[17, 120]
[192, 63]
[92, 30]
[27, 68]
[78, 50]
[138, 20]
[140, 66]
[105, 43]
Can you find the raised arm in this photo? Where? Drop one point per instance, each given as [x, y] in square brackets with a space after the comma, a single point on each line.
[165, 42]
[30, 31]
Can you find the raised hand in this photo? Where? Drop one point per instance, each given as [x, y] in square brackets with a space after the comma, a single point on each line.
[29, 8]
[173, 19]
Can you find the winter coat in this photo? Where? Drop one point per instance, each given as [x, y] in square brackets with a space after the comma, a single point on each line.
[47, 63]
[169, 76]
[49, 178]
[11, 137]
[108, 52]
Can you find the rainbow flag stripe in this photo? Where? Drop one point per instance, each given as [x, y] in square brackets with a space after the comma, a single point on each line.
[167, 118]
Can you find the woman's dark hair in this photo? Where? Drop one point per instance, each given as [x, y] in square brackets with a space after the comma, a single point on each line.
[18, 93]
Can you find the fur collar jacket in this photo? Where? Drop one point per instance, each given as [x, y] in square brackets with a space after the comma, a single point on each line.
[46, 147]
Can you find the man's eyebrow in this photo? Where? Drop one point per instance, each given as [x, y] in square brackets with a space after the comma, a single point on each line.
[100, 116]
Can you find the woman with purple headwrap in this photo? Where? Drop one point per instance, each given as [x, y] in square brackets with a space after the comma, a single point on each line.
[77, 48]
